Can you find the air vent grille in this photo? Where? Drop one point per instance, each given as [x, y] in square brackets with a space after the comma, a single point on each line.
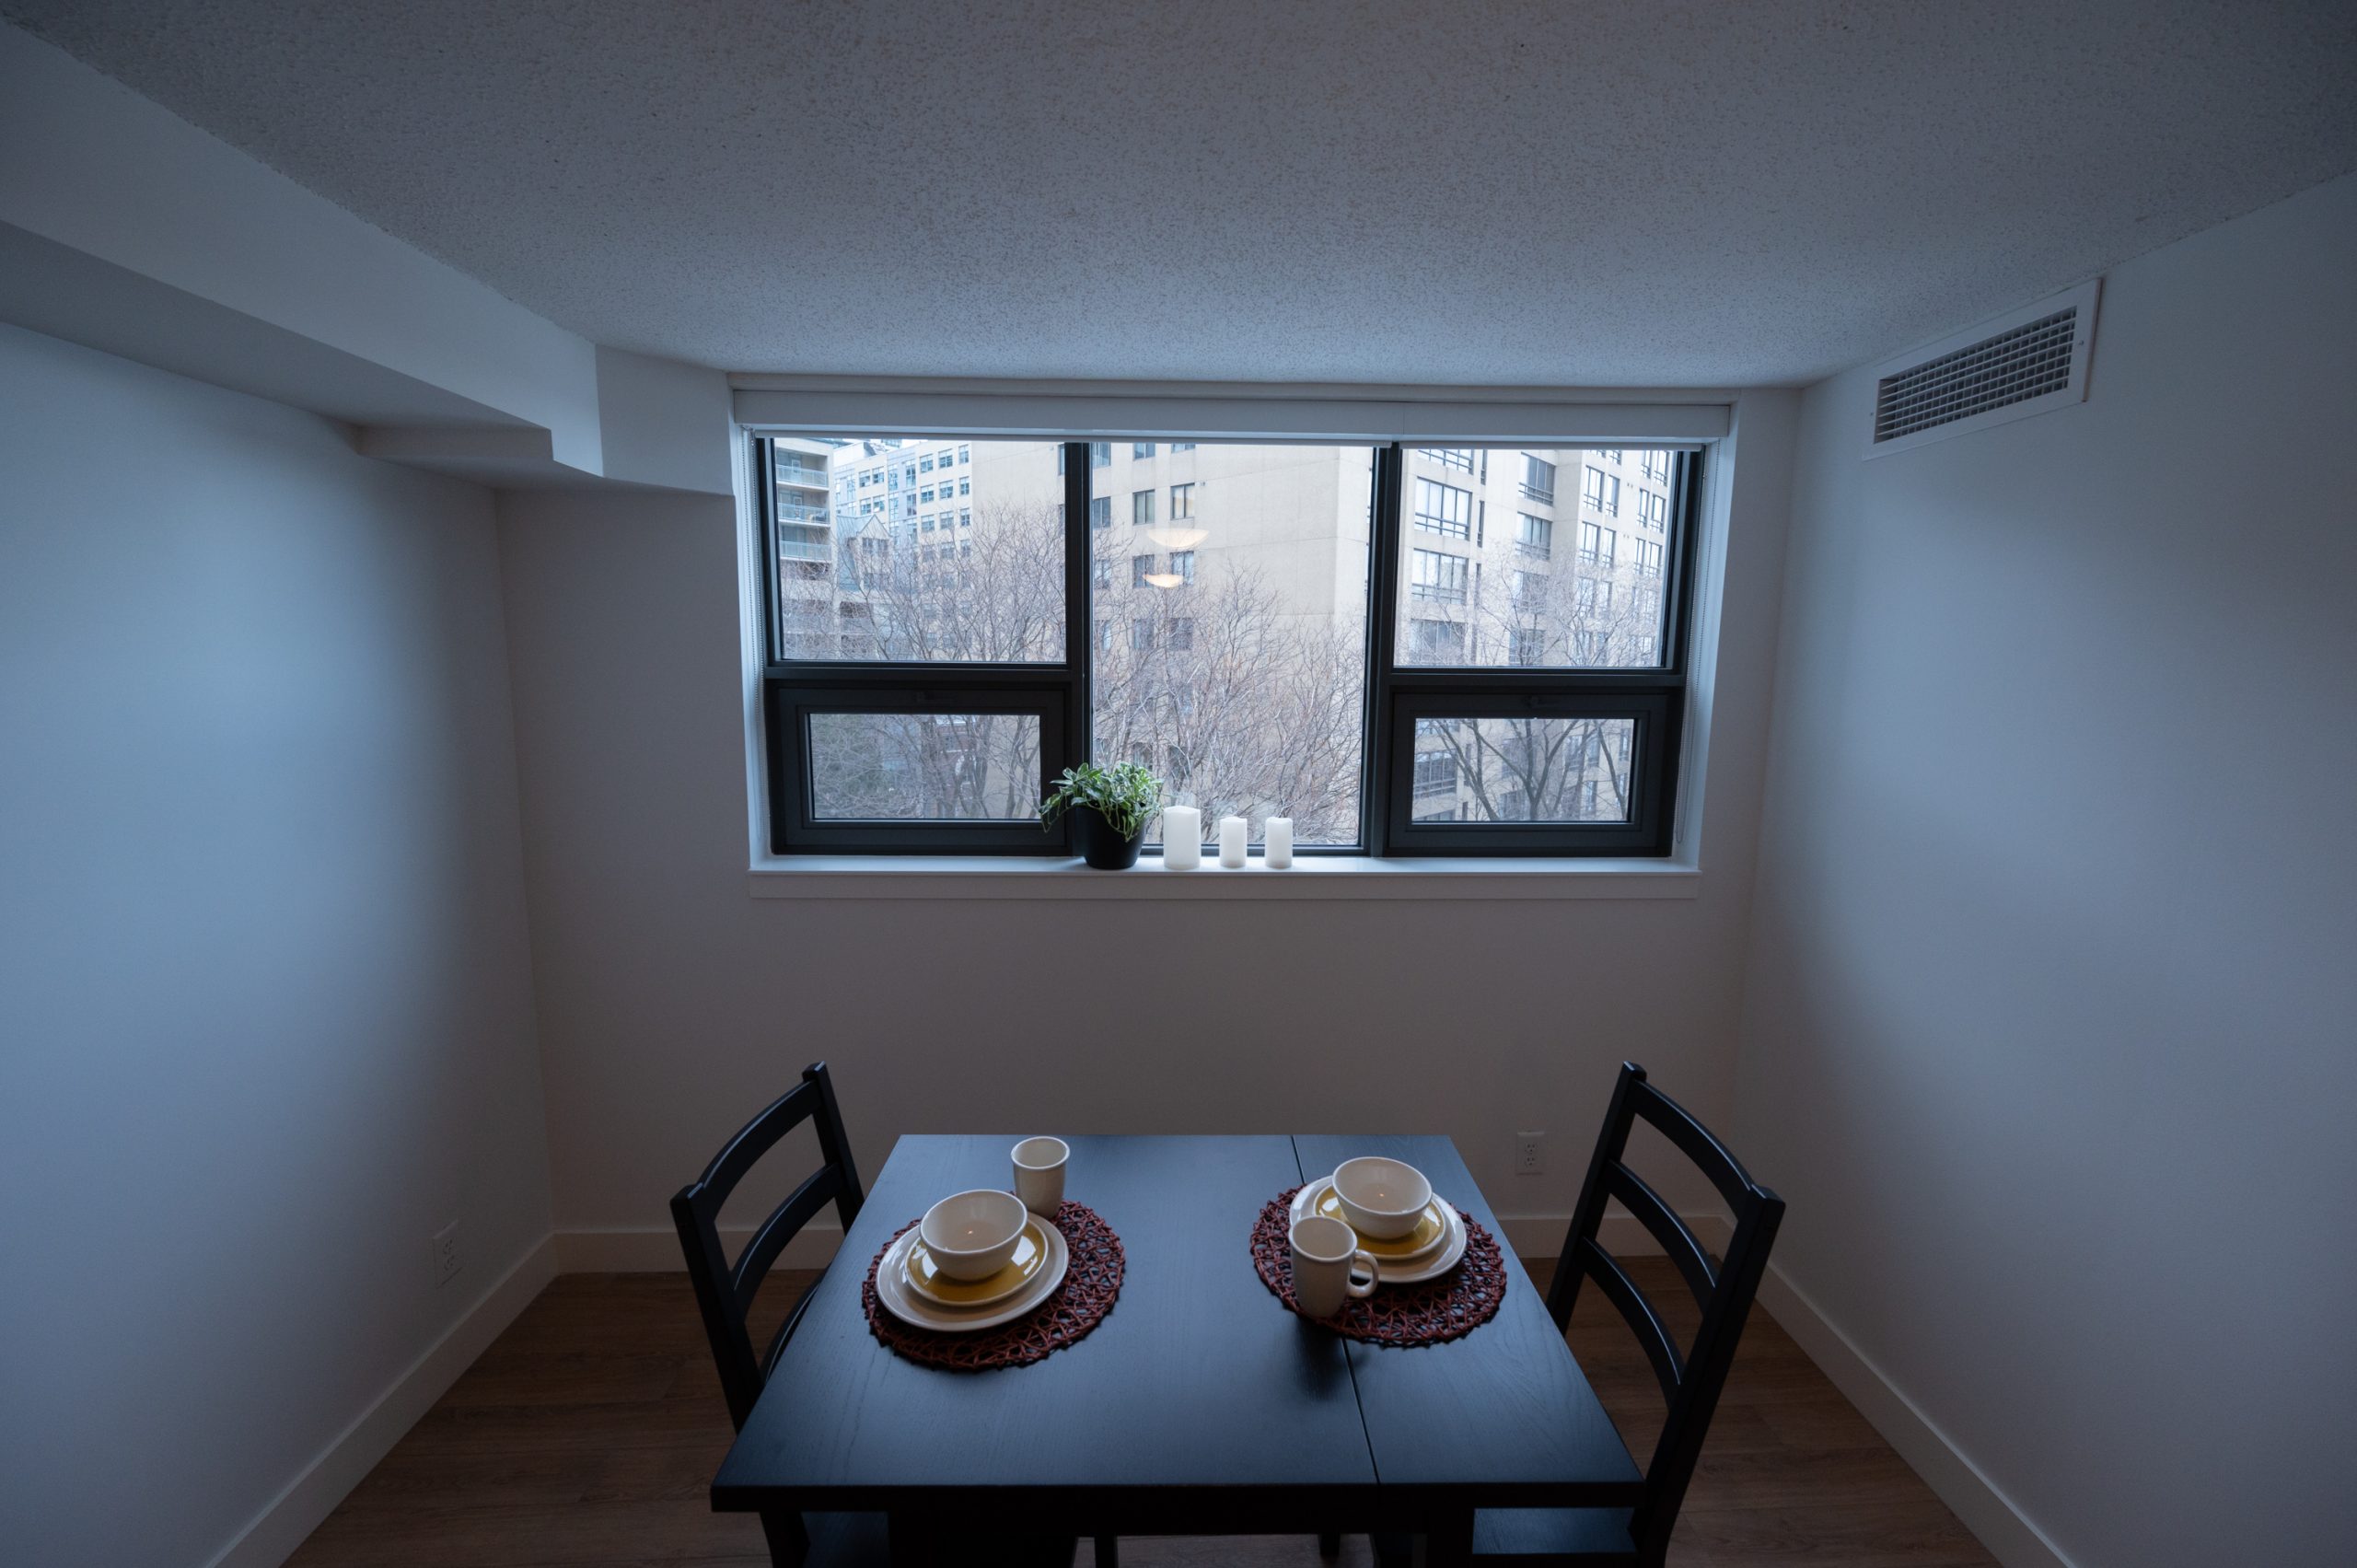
[2025, 362]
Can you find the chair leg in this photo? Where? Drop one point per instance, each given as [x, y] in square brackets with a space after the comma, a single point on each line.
[1330, 1544]
[1108, 1551]
[789, 1542]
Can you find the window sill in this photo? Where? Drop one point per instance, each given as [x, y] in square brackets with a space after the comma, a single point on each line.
[1310, 877]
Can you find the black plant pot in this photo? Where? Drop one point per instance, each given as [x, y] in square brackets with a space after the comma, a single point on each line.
[1099, 842]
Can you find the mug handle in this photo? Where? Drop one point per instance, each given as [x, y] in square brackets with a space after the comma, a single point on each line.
[1374, 1275]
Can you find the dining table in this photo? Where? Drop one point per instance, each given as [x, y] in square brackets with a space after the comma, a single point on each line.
[1200, 1405]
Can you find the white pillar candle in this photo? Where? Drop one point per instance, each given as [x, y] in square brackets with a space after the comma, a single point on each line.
[1182, 837]
[1276, 842]
[1233, 831]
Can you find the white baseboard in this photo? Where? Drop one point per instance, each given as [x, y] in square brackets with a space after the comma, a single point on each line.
[653, 1251]
[271, 1536]
[281, 1526]
[1534, 1236]
[1986, 1511]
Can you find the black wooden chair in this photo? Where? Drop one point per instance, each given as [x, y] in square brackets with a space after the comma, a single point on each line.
[1691, 1380]
[725, 1293]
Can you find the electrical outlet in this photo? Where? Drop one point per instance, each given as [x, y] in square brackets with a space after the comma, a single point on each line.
[1530, 1153]
[445, 1253]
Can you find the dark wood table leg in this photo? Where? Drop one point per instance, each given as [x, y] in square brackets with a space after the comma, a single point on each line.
[909, 1539]
[1447, 1541]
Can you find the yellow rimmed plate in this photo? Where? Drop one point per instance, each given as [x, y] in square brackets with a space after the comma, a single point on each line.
[1430, 1232]
[1030, 1257]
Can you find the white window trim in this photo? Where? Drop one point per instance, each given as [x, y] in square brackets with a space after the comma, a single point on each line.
[1566, 422]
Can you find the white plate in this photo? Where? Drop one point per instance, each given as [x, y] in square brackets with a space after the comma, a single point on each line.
[1451, 1251]
[1305, 1200]
[903, 1300]
[1032, 1224]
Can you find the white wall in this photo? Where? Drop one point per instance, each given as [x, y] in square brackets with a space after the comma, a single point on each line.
[674, 1005]
[2050, 1033]
[265, 1005]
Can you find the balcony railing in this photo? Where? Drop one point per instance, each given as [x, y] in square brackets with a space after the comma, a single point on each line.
[803, 542]
[802, 478]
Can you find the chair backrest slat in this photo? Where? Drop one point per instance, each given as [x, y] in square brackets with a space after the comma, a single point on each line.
[1692, 1384]
[1679, 1243]
[725, 1292]
[1693, 1140]
[785, 1223]
[1669, 1367]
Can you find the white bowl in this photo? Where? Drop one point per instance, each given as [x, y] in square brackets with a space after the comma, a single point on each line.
[972, 1235]
[1381, 1198]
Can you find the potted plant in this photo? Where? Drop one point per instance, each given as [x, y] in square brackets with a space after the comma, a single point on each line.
[1109, 808]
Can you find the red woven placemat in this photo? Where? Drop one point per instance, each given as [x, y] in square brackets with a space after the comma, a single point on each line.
[1092, 1281]
[1430, 1313]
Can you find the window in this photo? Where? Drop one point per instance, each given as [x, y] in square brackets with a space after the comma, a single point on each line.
[1610, 454]
[961, 454]
[1601, 491]
[1100, 454]
[924, 464]
[965, 486]
[1182, 446]
[919, 694]
[1436, 642]
[1443, 509]
[1140, 448]
[1652, 510]
[1537, 478]
[1439, 578]
[1655, 466]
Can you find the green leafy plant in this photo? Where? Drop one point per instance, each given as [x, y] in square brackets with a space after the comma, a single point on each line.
[1126, 795]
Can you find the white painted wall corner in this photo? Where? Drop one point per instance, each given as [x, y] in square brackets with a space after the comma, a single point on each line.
[1986, 1511]
[271, 1536]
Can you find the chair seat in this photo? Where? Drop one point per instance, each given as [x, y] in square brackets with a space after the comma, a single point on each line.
[848, 1540]
[1595, 1536]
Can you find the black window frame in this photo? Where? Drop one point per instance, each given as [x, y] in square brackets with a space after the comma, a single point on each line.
[1397, 695]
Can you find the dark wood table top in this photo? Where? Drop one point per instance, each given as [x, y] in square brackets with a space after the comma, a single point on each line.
[1502, 1416]
[1199, 1405]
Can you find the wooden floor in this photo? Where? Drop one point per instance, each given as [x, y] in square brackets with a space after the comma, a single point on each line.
[587, 1434]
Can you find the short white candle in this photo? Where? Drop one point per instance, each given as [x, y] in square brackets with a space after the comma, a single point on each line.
[1233, 832]
[1276, 842]
[1182, 837]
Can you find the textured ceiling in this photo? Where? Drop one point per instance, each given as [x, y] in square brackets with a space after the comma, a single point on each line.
[1625, 193]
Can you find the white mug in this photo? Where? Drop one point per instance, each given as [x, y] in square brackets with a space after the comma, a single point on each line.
[1040, 1174]
[1326, 1258]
